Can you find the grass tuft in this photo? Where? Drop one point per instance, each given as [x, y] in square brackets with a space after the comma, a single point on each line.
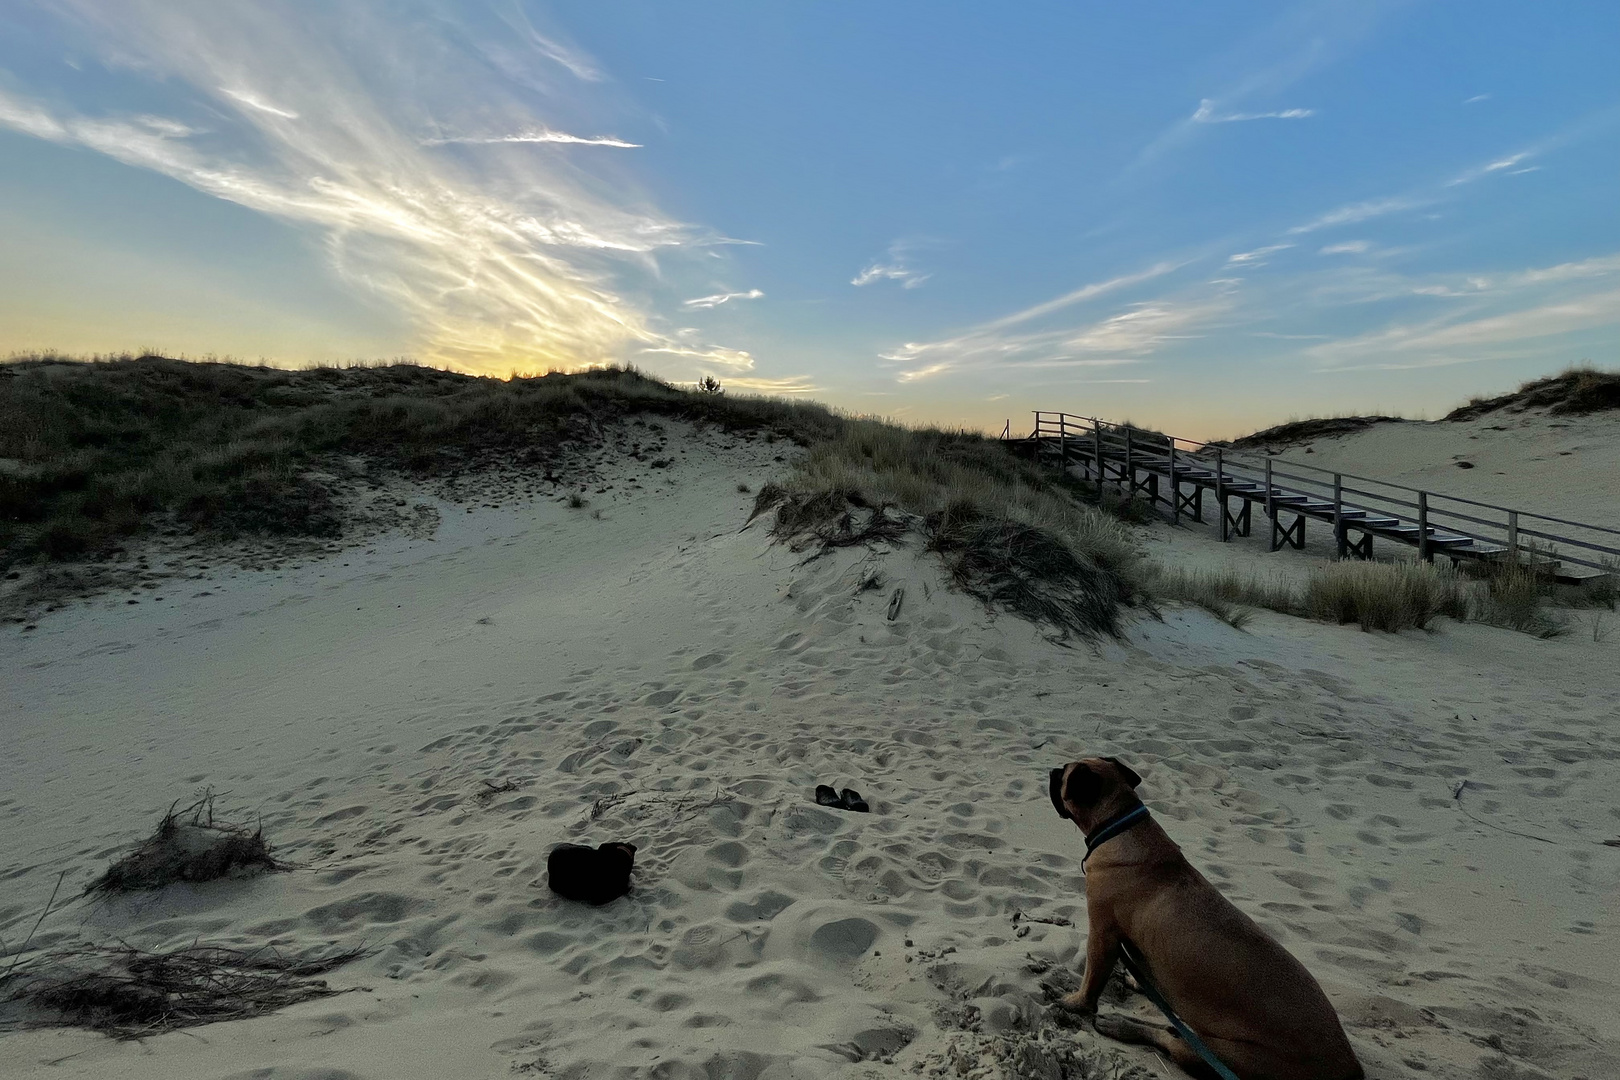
[1385, 596]
[189, 846]
[1010, 535]
[1516, 597]
[1375, 596]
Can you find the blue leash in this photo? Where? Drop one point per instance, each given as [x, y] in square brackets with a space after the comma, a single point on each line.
[1108, 831]
[1187, 1033]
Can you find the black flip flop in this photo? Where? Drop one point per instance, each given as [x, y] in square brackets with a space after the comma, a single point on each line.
[851, 800]
[826, 796]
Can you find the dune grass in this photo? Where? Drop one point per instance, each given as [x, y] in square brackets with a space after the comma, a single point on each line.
[94, 452]
[1576, 391]
[1384, 596]
[1010, 535]
[1372, 595]
[1394, 596]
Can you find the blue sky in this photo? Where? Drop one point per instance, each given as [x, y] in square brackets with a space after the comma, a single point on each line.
[1208, 217]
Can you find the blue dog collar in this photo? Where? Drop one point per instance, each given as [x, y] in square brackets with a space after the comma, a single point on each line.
[1112, 828]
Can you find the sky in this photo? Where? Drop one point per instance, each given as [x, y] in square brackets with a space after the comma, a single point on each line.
[1206, 217]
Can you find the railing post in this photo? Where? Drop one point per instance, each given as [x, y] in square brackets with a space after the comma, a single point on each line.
[1338, 513]
[1130, 467]
[1063, 444]
[1513, 535]
[1096, 435]
[1423, 527]
[1175, 488]
[1271, 506]
[1220, 492]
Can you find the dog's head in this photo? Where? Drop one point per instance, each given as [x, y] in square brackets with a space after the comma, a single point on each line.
[1087, 790]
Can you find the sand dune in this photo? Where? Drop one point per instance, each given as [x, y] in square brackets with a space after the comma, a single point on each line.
[1421, 818]
[1531, 460]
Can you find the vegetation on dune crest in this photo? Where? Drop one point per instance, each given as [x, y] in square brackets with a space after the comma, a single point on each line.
[95, 452]
[1575, 392]
[1011, 535]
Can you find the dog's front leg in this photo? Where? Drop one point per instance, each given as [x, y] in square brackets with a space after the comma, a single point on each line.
[1102, 953]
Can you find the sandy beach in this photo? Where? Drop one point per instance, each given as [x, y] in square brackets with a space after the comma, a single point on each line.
[1421, 818]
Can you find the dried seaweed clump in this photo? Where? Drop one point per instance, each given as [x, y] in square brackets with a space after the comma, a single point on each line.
[1027, 570]
[189, 845]
[830, 517]
[130, 993]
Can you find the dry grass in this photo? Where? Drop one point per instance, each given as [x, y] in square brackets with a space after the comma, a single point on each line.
[189, 845]
[1385, 596]
[1010, 535]
[1374, 596]
[1516, 596]
[130, 993]
[1574, 392]
[1230, 596]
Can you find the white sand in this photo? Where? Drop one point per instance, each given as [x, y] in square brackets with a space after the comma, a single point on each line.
[1565, 466]
[700, 673]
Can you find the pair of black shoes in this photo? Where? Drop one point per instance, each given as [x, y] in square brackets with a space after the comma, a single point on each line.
[850, 799]
[591, 875]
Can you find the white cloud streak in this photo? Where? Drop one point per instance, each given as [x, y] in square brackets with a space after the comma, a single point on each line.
[253, 101]
[500, 265]
[541, 135]
[1126, 337]
[721, 298]
[1257, 257]
[905, 275]
[1354, 213]
[1546, 302]
[1207, 114]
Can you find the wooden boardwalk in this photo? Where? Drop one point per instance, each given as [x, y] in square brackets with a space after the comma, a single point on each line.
[1190, 478]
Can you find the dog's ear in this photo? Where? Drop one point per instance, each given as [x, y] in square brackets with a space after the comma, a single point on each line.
[1055, 788]
[1083, 786]
[1130, 774]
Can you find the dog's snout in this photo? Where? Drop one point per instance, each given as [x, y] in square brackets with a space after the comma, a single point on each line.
[1055, 789]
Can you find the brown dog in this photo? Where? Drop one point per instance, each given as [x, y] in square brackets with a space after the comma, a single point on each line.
[1254, 1005]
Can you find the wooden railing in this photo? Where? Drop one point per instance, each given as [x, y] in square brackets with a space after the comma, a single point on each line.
[1518, 533]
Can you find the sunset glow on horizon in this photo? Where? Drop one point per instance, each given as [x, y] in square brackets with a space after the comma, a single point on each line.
[1202, 220]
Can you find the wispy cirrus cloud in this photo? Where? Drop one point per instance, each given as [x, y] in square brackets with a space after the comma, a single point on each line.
[316, 119]
[896, 266]
[1257, 257]
[1348, 247]
[702, 302]
[1540, 302]
[1209, 113]
[1357, 212]
[254, 101]
[1009, 343]
[540, 135]
[1498, 165]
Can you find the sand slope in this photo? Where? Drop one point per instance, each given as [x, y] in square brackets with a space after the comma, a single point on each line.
[1566, 466]
[660, 676]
